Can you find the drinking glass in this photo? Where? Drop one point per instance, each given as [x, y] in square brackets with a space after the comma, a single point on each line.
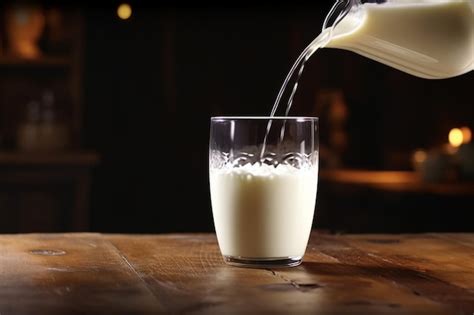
[263, 175]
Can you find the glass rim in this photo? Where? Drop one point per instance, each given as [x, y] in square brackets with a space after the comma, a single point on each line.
[297, 118]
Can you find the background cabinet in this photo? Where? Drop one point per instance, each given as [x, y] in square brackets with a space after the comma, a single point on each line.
[42, 189]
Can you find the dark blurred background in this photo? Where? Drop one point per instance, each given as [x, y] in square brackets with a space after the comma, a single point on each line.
[104, 121]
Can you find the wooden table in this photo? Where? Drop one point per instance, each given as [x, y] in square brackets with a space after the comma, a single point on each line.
[184, 273]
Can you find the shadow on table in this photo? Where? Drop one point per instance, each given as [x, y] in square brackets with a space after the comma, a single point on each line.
[338, 269]
[420, 282]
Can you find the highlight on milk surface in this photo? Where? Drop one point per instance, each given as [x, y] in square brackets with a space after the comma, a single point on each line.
[432, 39]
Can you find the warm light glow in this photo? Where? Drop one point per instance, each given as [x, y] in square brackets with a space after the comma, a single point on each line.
[466, 134]
[124, 11]
[419, 156]
[455, 137]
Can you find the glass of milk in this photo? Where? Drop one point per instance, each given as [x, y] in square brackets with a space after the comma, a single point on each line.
[263, 179]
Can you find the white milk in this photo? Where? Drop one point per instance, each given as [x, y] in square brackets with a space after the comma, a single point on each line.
[429, 39]
[262, 211]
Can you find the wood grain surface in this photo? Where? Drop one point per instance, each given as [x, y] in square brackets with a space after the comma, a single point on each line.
[185, 274]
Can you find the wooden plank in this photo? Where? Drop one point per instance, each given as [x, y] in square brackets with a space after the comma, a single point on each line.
[440, 257]
[355, 284]
[438, 269]
[461, 238]
[68, 274]
[187, 274]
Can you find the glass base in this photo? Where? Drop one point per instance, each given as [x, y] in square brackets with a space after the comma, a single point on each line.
[277, 262]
